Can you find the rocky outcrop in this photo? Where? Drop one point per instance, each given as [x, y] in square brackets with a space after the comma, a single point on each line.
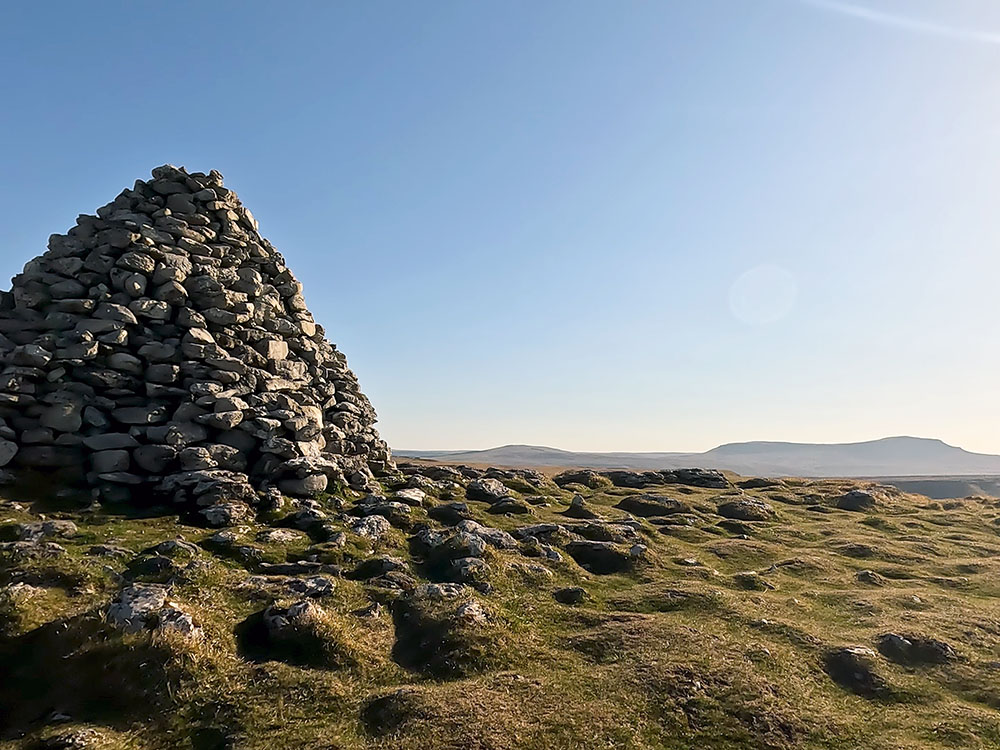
[652, 505]
[140, 607]
[857, 500]
[855, 668]
[163, 346]
[746, 509]
[914, 650]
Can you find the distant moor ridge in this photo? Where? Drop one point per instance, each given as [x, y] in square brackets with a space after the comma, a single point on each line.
[163, 347]
[888, 457]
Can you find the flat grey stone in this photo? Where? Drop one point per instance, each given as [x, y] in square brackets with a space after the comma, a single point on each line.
[108, 462]
[110, 441]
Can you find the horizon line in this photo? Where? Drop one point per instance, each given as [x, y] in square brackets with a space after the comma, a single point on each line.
[651, 452]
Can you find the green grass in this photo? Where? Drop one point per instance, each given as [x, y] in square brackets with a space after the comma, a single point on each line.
[679, 653]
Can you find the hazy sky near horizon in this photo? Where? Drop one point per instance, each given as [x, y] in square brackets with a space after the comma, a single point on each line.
[628, 225]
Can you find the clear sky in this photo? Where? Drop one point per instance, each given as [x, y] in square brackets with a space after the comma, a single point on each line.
[612, 225]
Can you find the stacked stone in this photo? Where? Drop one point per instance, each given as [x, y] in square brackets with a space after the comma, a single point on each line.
[163, 346]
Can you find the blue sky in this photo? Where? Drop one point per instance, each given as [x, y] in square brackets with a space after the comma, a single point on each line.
[594, 225]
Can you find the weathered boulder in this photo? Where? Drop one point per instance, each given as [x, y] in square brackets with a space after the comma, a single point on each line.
[710, 478]
[374, 528]
[38, 531]
[378, 566]
[856, 500]
[145, 606]
[633, 479]
[855, 668]
[497, 538]
[8, 450]
[587, 477]
[652, 505]
[604, 557]
[579, 509]
[411, 496]
[570, 595]
[226, 514]
[397, 514]
[486, 490]
[511, 505]
[746, 509]
[914, 650]
[450, 514]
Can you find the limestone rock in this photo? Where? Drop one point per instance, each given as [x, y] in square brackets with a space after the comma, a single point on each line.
[411, 496]
[450, 514]
[602, 557]
[856, 500]
[7, 452]
[486, 490]
[746, 509]
[571, 595]
[145, 606]
[652, 505]
[511, 505]
[587, 477]
[226, 514]
[39, 530]
[914, 650]
[493, 537]
[374, 528]
[855, 668]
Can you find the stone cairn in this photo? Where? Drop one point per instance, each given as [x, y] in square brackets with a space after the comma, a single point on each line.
[162, 348]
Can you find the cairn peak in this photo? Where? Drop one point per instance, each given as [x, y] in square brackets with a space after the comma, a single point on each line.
[164, 348]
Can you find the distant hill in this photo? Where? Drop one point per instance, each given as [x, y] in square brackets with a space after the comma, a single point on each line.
[894, 456]
[941, 488]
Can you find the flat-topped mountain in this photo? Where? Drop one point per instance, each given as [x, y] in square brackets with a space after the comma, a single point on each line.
[893, 456]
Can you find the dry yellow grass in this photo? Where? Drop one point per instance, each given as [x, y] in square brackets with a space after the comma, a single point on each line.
[684, 651]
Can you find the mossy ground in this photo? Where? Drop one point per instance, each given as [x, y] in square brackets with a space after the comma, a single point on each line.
[678, 653]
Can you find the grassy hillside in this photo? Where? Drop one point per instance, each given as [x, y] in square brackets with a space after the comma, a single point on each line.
[692, 630]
